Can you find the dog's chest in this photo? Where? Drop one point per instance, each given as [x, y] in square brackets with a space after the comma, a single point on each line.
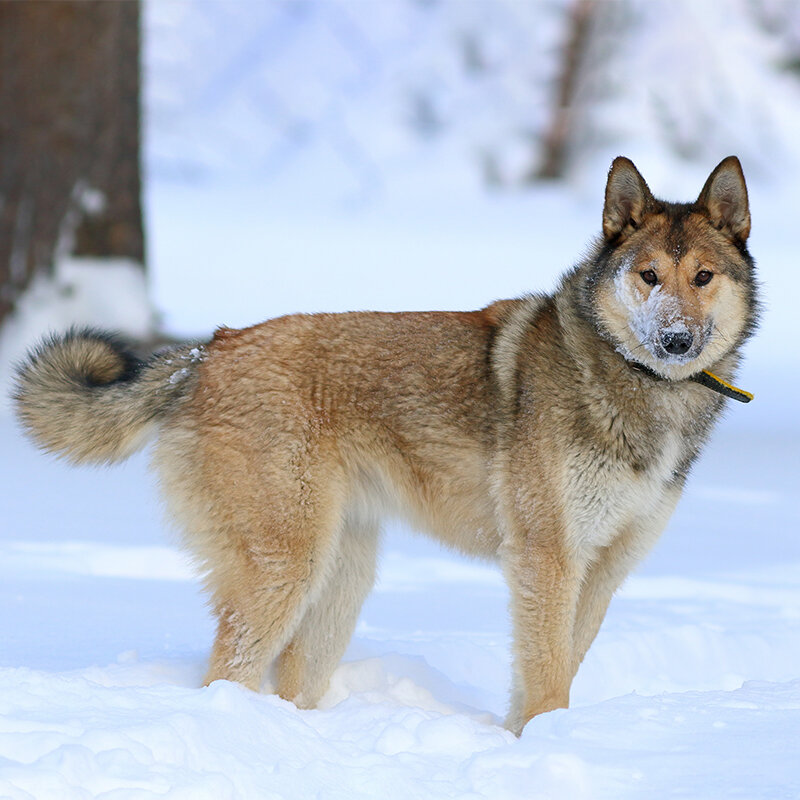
[618, 477]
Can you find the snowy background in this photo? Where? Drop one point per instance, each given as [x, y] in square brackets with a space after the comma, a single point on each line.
[307, 156]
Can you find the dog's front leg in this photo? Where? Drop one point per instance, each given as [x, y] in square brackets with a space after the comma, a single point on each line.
[545, 584]
[610, 566]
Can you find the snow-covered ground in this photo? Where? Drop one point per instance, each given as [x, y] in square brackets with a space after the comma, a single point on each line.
[692, 688]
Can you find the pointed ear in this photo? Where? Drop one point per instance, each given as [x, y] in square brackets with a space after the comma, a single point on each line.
[627, 198]
[724, 200]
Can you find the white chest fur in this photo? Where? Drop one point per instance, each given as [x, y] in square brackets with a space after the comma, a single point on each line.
[606, 496]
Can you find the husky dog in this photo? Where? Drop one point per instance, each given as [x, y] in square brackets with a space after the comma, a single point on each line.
[552, 432]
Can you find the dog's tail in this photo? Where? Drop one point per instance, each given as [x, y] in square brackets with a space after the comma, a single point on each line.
[85, 395]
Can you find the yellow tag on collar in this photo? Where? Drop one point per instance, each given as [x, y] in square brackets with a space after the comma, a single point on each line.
[711, 381]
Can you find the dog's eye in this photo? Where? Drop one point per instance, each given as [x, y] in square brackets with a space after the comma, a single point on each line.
[649, 277]
[703, 277]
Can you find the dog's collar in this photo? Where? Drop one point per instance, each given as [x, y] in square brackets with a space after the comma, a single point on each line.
[704, 378]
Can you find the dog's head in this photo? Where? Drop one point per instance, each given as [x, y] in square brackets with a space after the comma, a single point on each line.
[675, 289]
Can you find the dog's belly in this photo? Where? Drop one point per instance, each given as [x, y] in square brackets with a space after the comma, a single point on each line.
[449, 501]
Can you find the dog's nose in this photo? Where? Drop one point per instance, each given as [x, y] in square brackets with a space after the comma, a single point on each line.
[676, 343]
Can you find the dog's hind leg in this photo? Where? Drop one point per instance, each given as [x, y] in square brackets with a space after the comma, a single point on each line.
[307, 662]
[253, 627]
[238, 654]
[265, 576]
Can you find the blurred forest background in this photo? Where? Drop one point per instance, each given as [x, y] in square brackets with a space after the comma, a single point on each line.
[347, 100]
[519, 90]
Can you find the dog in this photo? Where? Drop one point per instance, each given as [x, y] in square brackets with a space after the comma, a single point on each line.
[553, 433]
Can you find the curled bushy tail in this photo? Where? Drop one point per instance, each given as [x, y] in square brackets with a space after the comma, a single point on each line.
[88, 398]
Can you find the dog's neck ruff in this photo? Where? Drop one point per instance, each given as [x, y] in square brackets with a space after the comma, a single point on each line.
[704, 378]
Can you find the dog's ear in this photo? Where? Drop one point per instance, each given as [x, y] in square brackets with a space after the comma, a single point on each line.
[627, 199]
[724, 200]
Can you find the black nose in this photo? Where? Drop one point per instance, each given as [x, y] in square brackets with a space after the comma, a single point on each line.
[676, 343]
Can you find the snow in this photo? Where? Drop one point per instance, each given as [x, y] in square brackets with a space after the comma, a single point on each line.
[692, 688]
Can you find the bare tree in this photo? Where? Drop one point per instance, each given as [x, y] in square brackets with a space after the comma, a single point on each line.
[69, 136]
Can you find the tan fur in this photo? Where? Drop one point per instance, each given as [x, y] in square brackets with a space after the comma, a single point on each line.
[521, 432]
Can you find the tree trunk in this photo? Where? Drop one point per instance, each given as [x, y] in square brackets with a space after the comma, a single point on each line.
[556, 139]
[69, 136]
